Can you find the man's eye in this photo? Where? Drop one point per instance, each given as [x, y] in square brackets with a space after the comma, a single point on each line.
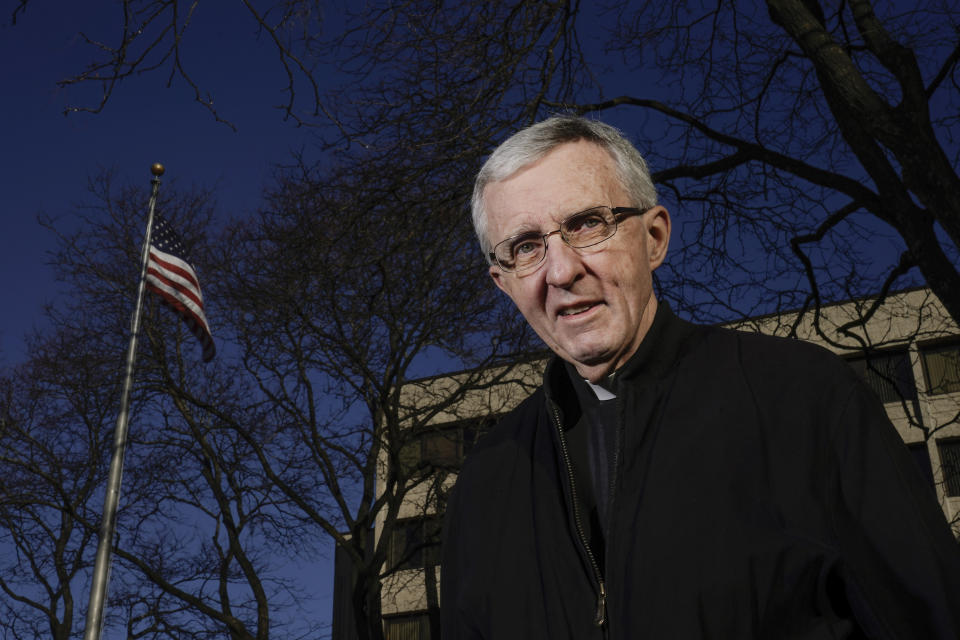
[586, 222]
[525, 247]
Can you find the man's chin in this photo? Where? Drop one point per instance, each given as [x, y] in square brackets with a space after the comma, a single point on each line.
[593, 364]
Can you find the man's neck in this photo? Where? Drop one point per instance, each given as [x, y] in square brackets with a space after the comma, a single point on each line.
[595, 374]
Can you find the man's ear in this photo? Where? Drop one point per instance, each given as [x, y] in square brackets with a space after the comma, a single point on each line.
[498, 279]
[657, 221]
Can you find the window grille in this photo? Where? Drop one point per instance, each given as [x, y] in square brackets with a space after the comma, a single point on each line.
[444, 447]
[888, 373]
[941, 367]
[414, 543]
[407, 627]
[950, 465]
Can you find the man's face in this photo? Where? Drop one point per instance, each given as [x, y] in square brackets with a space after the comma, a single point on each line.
[591, 306]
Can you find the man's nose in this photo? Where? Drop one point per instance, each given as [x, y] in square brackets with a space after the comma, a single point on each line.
[564, 265]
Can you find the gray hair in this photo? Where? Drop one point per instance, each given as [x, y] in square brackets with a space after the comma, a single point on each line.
[529, 145]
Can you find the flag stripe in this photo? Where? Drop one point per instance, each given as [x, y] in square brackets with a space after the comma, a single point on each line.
[175, 282]
[175, 265]
[185, 300]
[190, 317]
[197, 325]
[173, 279]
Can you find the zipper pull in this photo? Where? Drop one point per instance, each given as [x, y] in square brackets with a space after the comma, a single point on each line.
[601, 615]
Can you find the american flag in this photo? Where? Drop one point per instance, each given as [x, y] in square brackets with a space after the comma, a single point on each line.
[171, 277]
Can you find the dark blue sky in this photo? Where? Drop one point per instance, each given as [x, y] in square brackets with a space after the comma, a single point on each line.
[46, 157]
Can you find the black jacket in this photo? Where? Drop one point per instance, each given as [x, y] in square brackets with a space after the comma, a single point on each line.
[759, 491]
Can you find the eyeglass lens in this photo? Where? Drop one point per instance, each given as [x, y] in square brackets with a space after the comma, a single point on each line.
[580, 230]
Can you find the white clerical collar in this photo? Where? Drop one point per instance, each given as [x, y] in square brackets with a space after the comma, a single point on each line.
[601, 393]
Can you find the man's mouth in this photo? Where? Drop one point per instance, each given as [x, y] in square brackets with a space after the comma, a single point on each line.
[571, 311]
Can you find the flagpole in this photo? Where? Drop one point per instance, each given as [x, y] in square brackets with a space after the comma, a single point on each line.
[101, 568]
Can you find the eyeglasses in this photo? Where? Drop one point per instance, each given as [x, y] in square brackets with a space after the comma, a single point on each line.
[584, 229]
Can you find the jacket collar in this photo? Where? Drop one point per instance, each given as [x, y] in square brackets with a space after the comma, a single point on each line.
[661, 349]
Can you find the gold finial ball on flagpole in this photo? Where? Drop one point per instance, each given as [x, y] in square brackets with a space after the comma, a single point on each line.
[157, 169]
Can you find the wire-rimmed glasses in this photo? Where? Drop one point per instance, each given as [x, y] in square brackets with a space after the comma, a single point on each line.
[592, 226]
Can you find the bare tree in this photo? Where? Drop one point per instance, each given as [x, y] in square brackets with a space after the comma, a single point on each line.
[153, 35]
[336, 296]
[808, 155]
[203, 536]
[809, 151]
[205, 547]
[807, 133]
[348, 281]
[56, 410]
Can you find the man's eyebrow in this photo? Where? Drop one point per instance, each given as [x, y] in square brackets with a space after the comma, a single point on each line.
[524, 228]
[534, 231]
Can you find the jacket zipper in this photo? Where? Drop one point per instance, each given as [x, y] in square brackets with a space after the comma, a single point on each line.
[600, 617]
[608, 516]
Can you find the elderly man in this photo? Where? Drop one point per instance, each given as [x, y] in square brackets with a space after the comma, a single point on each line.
[671, 480]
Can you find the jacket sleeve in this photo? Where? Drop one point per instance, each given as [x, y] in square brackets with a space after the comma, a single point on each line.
[454, 567]
[901, 561]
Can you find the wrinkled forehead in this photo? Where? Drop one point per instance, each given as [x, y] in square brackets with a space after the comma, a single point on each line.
[572, 177]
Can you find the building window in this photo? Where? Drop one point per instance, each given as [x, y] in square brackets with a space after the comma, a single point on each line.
[411, 626]
[441, 448]
[444, 447]
[414, 543]
[888, 373]
[950, 465]
[941, 366]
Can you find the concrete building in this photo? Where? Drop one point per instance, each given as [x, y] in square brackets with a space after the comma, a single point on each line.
[907, 349]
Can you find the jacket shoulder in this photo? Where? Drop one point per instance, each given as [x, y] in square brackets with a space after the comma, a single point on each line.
[507, 436]
[776, 356]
